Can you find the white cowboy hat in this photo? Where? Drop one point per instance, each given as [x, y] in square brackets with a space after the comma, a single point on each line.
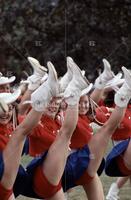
[36, 65]
[10, 97]
[6, 80]
[87, 90]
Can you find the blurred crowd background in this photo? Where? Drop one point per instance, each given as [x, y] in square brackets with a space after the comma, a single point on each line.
[87, 30]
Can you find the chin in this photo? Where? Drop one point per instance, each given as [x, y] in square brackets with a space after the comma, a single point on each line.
[82, 113]
[4, 122]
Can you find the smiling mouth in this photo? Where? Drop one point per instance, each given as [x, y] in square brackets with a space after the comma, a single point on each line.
[52, 109]
[4, 118]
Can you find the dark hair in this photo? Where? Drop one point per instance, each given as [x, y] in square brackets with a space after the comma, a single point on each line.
[91, 107]
[129, 102]
[15, 105]
[109, 100]
[91, 112]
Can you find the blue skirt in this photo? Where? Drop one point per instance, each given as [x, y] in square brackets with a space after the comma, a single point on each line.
[111, 166]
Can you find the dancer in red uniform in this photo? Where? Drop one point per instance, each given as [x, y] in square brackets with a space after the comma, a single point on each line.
[118, 160]
[123, 132]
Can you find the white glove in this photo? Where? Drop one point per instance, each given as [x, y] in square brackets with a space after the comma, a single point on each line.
[39, 71]
[106, 75]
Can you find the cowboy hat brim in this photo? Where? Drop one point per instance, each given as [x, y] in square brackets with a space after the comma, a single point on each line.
[10, 97]
[6, 80]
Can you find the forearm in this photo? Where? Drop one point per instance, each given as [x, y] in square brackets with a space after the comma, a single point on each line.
[115, 119]
[30, 121]
[70, 120]
[96, 95]
[23, 108]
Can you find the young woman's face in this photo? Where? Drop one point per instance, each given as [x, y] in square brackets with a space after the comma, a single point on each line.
[6, 117]
[83, 105]
[53, 108]
[4, 88]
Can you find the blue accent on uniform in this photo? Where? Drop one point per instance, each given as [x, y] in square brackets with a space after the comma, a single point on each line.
[24, 184]
[28, 190]
[76, 165]
[35, 163]
[111, 166]
[1, 165]
[101, 167]
[20, 182]
[26, 147]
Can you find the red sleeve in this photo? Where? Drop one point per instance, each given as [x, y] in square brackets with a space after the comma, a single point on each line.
[43, 136]
[82, 133]
[124, 129]
[101, 102]
[3, 142]
[5, 134]
[21, 118]
[40, 141]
